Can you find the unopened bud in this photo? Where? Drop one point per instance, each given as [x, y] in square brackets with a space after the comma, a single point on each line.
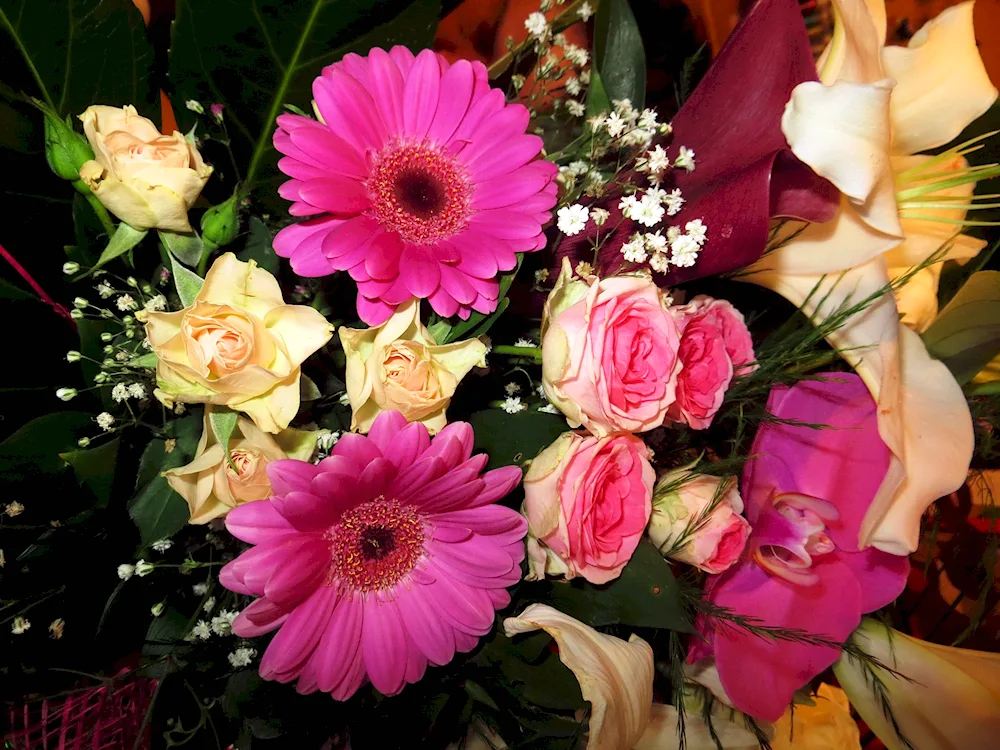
[80, 302]
[76, 314]
[220, 224]
[65, 149]
[70, 267]
[106, 337]
[66, 394]
[83, 442]
[72, 356]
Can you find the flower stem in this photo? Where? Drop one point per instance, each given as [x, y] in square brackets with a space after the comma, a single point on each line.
[535, 352]
[102, 214]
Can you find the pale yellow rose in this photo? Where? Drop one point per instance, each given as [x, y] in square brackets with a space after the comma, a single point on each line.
[146, 179]
[212, 486]
[825, 725]
[239, 345]
[399, 366]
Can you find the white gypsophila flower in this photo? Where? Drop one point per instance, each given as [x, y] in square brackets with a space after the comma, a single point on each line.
[649, 212]
[577, 168]
[201, 630]
[125, 571]
[195, 106]
[583, 269]
[548, 409]
[656, 194]
[125, 303]
[638, 137]
[537, 25]
[657, 160]
[576, 55]
[222, 623]
[596, 122]
[558, 40]
[673, 233]
[511, 388]
[105, 421]
[573, 86]
[512, 405]
[121, 356]
[655, 242]
[209, 604]
[143, 568]
[517, 82]
[136, 390]
[599, 216]
[104, 289]
[524, 342]
[242, 656]
[575, 108]
[685, 159]
[56, 628]
[623, 107]
[200, 588]
[647, 120]
[14, 509]
[162, 545]
[326, 440]
[120, 392]
[20, 625]
[572, 220]
[540, 390]
[156, 304]
[697, 230]
[585, 77]
[658, 262]
[615, 125]
[684, 251]
[585, 11]
[674, 202]
[635, 249]
[628, 204]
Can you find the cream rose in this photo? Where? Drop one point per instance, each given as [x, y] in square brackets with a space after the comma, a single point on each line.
[239, 345]
[399, 366]
[212, 486]
[146, 179]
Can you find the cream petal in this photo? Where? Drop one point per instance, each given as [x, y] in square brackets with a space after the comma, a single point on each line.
[853, 53]
[301, 328]
[275, 409]
[662, 733]
[614, 675]
[927, 238]
[184, 182]
[842, 132]
[460, 357]
[122, 200]
[917, 299]
[232, 282]
[948, 703]
[942, 84]
[403, 325]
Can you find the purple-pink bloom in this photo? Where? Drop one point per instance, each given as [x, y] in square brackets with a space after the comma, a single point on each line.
[387, 556]
[420, 181]
[745, 172]
[806, 491]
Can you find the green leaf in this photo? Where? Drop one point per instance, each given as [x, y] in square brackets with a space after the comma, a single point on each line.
[618, 52]
[125, 238]
[223, 423]
[260, 247]
[966, 335]
[257, 56]
[95, 468]
[13, 293]
[308, 391]
[514, 438]
[163, 637]
[74, 53]
[645, 595]
[157, 510]
[186, 282]
[187, 248]
[478, 320]
[147, 361]
[597, 97]
[34, 449]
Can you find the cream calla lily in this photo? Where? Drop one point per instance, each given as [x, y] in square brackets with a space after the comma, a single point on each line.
[616, 676]
[949, 701]
[662, 731]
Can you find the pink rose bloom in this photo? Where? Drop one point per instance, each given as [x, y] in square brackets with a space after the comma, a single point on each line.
[609, 352]
[715, 345]
[697, 522]
[588, 501]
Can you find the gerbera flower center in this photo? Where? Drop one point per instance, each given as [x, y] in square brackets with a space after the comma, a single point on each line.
[419, 192]
[375, 545]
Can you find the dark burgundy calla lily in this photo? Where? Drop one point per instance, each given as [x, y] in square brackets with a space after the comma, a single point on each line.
[745, 173]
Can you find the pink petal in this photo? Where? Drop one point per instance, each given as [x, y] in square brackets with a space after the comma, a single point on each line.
[499, 483]
[346, 238]
[505, 224]
[348, 110]
[298, 637]
[338, 195]
[373, 312]
[258, 522]
[467, 609]
[482, 109]
[309, 512]
[287, 475]
[457, 83]
[437, 498]
[487, 520]
[358, 448]
[425, 626]
[416, 476]
[510, 189]
[303, 243]
[354, 678]
[443, 303]
[454, 283]
[479, 255]
[376, 478]
[262, 616]
[420, 94]
[385, 428]
[340, 645]
[461, 431]
[419, 271]
[293, 582]
[403, 59]
[384, 645]
[320, 147]
[882, 576]
[386, 88]
[408, 445]
[382, 261]
[477, 556]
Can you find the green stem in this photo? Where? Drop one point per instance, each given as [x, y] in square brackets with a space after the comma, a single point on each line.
[535, 352]
[102, 214]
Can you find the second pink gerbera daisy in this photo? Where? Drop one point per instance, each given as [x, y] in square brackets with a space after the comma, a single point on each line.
[420, 180]
[385, 557]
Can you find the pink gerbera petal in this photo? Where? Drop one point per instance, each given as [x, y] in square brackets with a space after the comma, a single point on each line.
[418, 151]
[362, 582]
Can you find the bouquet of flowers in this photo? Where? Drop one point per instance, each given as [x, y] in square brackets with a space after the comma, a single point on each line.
[424, 402]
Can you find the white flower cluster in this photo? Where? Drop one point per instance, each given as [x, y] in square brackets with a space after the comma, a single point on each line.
[122, 392]
[512, 405]
[242, 656]
[628, 125]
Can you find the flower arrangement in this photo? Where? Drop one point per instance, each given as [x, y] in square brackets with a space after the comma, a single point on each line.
[424, 401]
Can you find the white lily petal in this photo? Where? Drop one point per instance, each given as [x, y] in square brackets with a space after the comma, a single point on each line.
[942, 84]
[853, 53]
[924, 418]
[926, 238]
[614, 675]
[661, 732]
[842, 132]
[950, 702]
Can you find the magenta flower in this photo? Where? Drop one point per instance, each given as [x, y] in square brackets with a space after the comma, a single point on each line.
[385, 557]
[420, 180]
[806, 492]
[744, 172]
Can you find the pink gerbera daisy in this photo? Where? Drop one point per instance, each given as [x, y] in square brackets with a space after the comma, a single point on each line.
[385, 557]
[421, 181]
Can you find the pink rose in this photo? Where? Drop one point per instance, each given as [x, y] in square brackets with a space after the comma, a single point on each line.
[697, 521]
[609, 352]
[715, 345]
[588, 501]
